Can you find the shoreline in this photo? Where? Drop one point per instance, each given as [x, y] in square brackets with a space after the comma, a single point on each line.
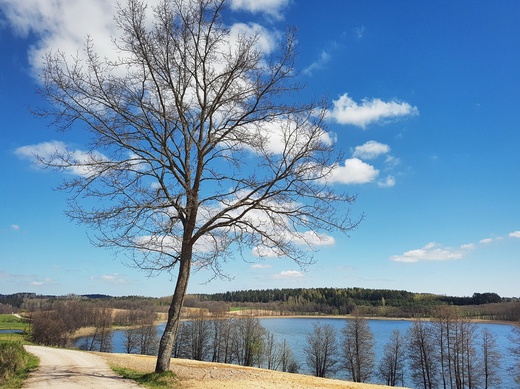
[347, 317]
[87, 331]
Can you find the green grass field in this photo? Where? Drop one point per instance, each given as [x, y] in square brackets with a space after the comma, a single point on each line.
[11, 322]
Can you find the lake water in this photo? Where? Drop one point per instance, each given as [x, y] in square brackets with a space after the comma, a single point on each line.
[11, 332]
[296, 330]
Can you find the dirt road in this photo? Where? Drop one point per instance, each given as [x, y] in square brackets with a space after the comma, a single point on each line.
[69, 369]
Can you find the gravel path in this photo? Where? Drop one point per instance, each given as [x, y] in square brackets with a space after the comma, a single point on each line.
[69, 369]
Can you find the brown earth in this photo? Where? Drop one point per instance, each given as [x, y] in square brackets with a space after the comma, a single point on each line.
[206, 375]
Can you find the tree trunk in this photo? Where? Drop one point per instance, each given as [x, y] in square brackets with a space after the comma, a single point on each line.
[174, 313]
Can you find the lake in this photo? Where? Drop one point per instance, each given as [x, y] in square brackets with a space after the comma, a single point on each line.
[296, 330]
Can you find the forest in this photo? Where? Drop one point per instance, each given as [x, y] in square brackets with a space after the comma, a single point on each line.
[300, 301]
[370, 302]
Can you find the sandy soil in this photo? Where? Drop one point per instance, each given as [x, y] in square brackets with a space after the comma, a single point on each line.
[206, 375]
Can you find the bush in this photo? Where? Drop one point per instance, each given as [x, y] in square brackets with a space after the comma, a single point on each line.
[13, 358]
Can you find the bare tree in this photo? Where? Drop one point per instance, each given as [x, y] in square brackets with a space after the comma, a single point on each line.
[273, 352]
[222, 340]
[197, 149]
[148, 340]
[358, 348]
[391, 365]
[131, 340]
[322, 350]
[287, 361]
[514, 339]
[490, 359]
[102, 337]
[248, 342]
[444, 321]
[421, 355]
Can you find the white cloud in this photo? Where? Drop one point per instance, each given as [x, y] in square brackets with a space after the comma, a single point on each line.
[314, 239]
[322, 60]
[79, 162]
[43, 282]
[289, 274]
[44, 150]
[515, 234]
[354, 171]
[260, 266]
[62, 25]
[266, 42]
[490, 240]
[468, 246]
[309, 238]
[370, 150]
[266, 252]
[392, 161]
[282, 135]
[347, 111]
[272, 8]
[114, 278]
[388, 182]
[15, 227]
[431, 252]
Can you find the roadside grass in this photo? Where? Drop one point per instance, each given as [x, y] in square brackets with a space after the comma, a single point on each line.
[149, 380]
[15, 364]
[13, 337]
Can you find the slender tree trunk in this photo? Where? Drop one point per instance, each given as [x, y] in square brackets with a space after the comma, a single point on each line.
[174, 314]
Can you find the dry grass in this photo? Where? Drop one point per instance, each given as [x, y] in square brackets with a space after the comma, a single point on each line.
[206, 375]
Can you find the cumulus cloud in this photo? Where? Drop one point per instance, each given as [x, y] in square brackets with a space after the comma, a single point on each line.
[260, 266]
[515, 234]
[370, 150]
[310, 238]
[267, 39]
[431, 252]
[78, 162]
[287, 274]
[388, 182]
[15, 227]
[315, 239]
[347, 111]
[354, 171]
[64, 25]
[272, 8]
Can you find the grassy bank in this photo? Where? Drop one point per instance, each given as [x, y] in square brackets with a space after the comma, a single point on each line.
[15, 364]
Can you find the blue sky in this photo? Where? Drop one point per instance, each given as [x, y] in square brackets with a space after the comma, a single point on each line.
[424, 104]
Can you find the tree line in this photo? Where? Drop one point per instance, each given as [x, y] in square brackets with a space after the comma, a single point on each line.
[337, 297]
[370, 302]
[57, 324]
